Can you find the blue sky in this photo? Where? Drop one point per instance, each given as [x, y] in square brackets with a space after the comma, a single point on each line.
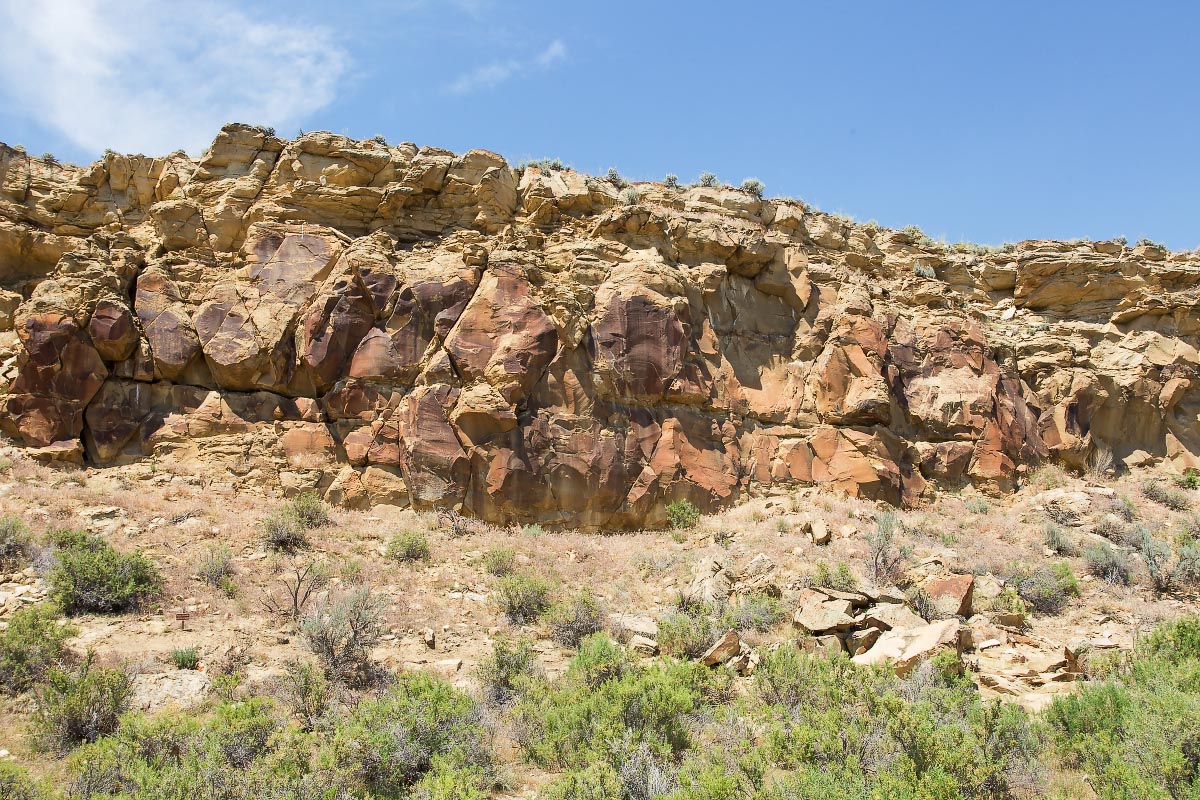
[980, 121]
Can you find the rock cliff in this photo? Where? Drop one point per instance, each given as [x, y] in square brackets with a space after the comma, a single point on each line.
[409, 326]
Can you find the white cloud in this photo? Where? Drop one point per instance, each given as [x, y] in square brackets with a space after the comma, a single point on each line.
[152, 77]
[498, 72]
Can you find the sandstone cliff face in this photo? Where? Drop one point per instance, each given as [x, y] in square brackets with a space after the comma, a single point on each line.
[407, 325]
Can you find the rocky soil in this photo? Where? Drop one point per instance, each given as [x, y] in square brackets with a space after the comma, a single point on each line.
[406, 326]
[442, 613]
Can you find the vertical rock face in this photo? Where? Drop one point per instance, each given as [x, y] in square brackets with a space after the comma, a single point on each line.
[405, 325]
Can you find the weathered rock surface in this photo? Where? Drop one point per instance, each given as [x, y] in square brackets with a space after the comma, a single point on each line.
[406, 325]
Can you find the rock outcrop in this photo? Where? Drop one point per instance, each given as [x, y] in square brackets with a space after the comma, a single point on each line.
[406, 325]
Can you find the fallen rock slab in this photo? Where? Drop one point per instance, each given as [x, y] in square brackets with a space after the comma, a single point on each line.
[905, 648]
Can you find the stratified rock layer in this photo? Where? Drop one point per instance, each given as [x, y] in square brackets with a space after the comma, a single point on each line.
[407, 325]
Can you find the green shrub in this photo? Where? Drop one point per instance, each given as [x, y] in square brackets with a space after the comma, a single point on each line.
[499, 561]
[754, 612]
[1135, 733]
[597, 781]
[924, 271]
[577, 722]
[689, 631]
[1046, 589]
[420, 725]
[682, 514]
[241, 751]
[839, 578]
[309, 510]
[927, 735]
[33, 643]
[408, 545]
[575, 619]
[1163, 494]
[1106, 563]
[754, 186]
[1190, 479]
[342, 634]
[89, 575]
[16, 784]
[599, 660]
[14, 543]
[1168, 567]
[185, 658]
[614, 177]
[506, 671]
[80, 705]
[523, 598]
[307, 693]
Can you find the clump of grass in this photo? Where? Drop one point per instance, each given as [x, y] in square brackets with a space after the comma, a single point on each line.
[1046, 589]
[14, 543]
[185, 658]
[575, 619]
[216, 569]
[1107, 563]
[408, 545]
[1048, 476]
[1161, 493]
[523, 598]
[308, 693]
[1190, 479]
[885, 558]
[342, 633]
[689, 631]
[977, 505]
[1124, 508]
[1058, 541]
[754, 612]
[682, 514]
[506, 670]
[282, 533]
[923, 604]
[499, 561]
[838, 578]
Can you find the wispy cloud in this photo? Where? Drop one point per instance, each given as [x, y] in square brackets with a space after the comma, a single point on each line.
[151, 77]
[498, 72]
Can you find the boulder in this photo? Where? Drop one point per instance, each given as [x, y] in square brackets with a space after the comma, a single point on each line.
[822, 617]
[886, 616]
[952, 595]
[904, 648]
[722, 650]
[626, 626]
